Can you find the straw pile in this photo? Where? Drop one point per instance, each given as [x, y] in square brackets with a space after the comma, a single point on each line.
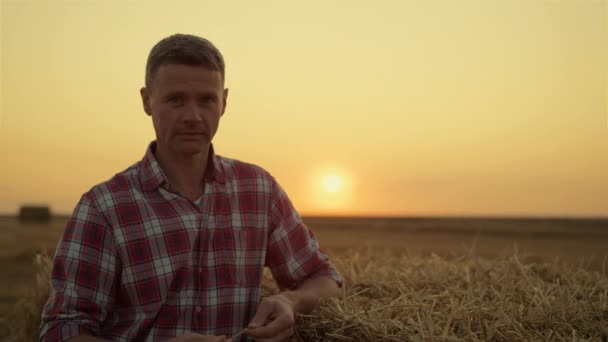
[38, 214]
[460, 298]
[413, 298]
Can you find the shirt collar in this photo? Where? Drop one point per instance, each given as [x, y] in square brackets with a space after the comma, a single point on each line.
[152, 176]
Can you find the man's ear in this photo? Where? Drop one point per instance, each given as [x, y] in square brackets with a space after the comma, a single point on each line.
[145, 99]
[224, 101]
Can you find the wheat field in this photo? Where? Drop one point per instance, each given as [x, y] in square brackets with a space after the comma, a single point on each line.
[415, 281]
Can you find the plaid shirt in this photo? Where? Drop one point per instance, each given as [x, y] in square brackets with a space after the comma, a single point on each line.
[139, 262]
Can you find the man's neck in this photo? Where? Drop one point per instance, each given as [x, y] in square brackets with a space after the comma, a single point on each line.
[184, 173]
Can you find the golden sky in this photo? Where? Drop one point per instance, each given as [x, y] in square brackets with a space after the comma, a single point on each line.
[416, 107]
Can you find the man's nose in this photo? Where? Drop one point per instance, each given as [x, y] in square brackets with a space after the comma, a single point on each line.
[192, 113]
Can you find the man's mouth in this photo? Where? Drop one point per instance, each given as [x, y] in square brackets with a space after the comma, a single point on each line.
[190, 133]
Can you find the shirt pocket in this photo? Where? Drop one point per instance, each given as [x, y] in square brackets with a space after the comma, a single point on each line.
[240, 257]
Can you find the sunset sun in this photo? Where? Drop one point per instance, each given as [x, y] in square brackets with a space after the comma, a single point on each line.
[332, 183]
[331, 188]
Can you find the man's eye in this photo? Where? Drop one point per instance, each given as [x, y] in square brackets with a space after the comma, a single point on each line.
[208, 100]
[174, 100]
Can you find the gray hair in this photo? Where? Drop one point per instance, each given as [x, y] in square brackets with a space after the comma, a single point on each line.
[184, 49]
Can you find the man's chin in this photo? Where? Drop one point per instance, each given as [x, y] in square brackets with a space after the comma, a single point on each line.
[187, 149]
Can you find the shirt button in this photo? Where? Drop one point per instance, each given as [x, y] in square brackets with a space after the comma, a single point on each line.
[198, 309]
[200, 269]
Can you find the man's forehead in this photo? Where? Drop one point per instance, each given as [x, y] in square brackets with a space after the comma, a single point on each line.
[182, 75]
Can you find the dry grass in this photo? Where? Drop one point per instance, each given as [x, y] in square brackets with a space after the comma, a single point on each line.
[460, 298]
[26, 319]
[413, 298]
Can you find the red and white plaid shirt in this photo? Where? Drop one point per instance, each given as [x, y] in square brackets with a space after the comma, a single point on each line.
[139, 262]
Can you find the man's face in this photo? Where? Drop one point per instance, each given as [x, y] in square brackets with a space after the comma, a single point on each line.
[186, 103]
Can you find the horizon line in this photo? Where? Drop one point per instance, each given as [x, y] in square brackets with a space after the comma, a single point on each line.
[411, 217]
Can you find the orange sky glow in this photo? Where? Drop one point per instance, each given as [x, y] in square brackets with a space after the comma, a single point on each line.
[384, 108]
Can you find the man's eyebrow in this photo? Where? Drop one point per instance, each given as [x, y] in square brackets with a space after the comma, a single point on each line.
[206, 94]
[173, 93]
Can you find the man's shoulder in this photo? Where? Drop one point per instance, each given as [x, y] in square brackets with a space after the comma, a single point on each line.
[122, 185]
[236, 170]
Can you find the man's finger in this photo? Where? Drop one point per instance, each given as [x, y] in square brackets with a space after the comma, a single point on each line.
[273, 328]
[194, 337]
[282, 336]
[265, 309]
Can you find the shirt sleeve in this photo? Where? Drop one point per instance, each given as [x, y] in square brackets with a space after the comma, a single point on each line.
[84, 276]
[293, 253]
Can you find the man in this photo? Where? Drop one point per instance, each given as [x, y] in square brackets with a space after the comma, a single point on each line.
[174, 247]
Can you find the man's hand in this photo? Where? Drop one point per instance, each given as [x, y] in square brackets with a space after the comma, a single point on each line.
[192, 337]
[274, 320]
